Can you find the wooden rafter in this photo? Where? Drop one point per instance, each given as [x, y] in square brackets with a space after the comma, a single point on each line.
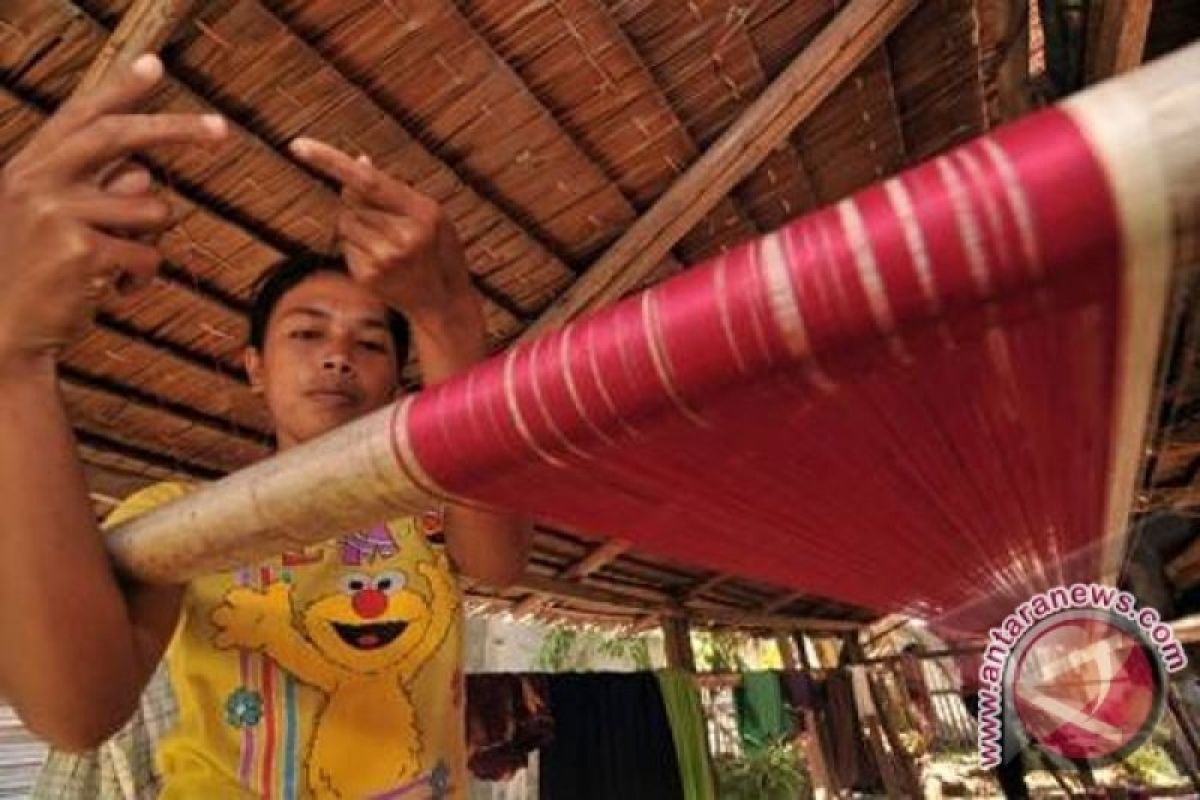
[705, 585]
[782, 602]
[856, 31]
[580, 570]
[597, 559]
[706, 613]
[147, 456]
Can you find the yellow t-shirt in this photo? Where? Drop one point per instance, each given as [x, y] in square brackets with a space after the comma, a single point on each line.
[329, 673]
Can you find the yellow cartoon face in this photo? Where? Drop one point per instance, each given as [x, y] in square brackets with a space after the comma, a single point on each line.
[370, 623]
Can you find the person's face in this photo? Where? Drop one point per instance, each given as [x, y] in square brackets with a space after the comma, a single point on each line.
[328, 357]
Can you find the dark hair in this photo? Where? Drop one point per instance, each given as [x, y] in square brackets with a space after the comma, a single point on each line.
[280, 280]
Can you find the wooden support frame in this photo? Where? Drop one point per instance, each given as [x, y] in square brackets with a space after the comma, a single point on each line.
[697, 613]
[705, 585]
[596, 560]
[780, 603]
[1116, 37]
[856, 32]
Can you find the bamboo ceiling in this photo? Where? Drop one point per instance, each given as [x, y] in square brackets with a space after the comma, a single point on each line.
[545, 127]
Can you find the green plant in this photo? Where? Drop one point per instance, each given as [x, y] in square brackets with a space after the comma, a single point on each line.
[719, 651]
[1151, 765]
[773, 771]
[565, 648]
[631, 648]
[556, 649]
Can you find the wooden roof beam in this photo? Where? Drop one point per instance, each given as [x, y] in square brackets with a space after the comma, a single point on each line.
[782, 602]
[576, 572]
[857, 30]
[596, 560]
[153, 458]
[130, 394]
[705, 585]
[704, 614]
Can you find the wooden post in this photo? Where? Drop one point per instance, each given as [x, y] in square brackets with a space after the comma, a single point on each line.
[678, 634]
[1116, 37]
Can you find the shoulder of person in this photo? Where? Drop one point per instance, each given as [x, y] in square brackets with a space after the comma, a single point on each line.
[146, 499]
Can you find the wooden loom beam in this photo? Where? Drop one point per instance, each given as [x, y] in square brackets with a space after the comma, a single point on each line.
[855, 33]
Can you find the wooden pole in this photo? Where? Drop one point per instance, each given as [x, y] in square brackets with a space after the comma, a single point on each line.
[678, 635]
[144, 28]
[1116, 36]
[856, 32]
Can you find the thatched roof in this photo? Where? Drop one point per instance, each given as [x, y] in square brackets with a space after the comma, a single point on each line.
[545, 127]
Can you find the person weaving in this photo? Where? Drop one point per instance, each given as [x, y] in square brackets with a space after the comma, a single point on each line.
[334, 671]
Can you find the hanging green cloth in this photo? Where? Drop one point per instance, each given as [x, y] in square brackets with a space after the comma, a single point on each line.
[682, 701]
[762, 718]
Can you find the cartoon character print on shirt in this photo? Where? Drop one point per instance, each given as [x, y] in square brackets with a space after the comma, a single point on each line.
[361, 646]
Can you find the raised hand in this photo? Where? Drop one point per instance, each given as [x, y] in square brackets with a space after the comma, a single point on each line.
[72, 207]
[396, 240]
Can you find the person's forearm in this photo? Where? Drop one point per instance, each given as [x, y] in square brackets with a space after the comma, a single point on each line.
[485, 546]
[68, 661]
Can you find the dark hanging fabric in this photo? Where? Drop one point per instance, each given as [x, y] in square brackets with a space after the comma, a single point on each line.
[762, 718]
[612, 740]
[801, 693]
[852, 766]
[508, 717]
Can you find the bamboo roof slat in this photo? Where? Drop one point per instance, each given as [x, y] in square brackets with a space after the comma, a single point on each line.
[852, 138]
[71, 375]
[247, 173]
[306, 95]
[614, 109]
[1004, 48]
[936, 70]
[425, 64]
[134, 473]
[170, 466]
[126, 360]
[852, 35]
[707, 67]
[135, 423]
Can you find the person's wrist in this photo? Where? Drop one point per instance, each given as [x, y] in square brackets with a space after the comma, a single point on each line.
[457, 321]
[25, 364]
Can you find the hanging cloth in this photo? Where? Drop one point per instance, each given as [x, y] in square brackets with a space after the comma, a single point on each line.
[612, 740]
[682, 702]
[762, 718]
[508, 717]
